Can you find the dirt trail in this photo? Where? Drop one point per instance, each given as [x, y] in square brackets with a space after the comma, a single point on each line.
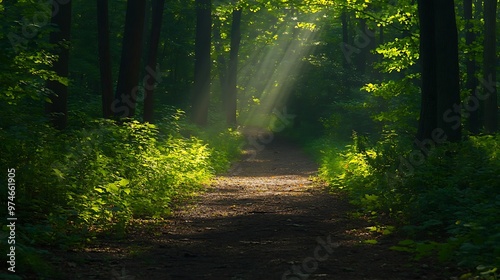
[264, 220]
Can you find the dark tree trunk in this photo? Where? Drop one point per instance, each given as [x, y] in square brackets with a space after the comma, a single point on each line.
[447, 70]
[158, 6]
[364, 51]
[440, 72]
[202, 65]
[128, 77]
[104, 58]
[231, 98]
[470, 65]
[148, 14]
[489, 64]
[57, 108]
[221, 61]
[428, 111]
[345, 36]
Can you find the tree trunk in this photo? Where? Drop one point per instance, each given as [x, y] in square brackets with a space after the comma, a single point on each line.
[57, 108]
[361, 58]
[202, 65]
[470, 65]
[489, 64]
[128, 77]
[104, 58]
[440, 73]
[447, 70]
[428, 111]
[158, 6]
[148, 15]
[345, 36]
[231, 98]
[221, 61]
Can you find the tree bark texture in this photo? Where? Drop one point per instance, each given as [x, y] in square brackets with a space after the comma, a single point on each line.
[104, 58]
[489, 64]
[57, 108]
[231, 98]
[202, 66]
[440, 72]
[152, 78]
[128, 76]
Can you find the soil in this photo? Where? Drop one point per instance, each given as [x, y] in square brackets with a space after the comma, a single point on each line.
[265, 219]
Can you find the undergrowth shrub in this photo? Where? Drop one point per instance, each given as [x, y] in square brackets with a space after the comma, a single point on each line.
[448, 202]
[93, 180]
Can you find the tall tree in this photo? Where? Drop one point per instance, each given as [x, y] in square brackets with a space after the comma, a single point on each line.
[345, 35]
[440, 72]
[128, 78]
[447, 70]
[221, 59]
[57, 108]
[104, 57]
[202, 64]
[158, 6]
[231, 94]
[489, 64]
[428, 111]
[362, 57]
[470, 64]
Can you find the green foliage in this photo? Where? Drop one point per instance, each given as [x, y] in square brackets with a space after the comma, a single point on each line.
[394, 104]
[93, 180]
[449, 201]
[25, 56]
[398, 54]
[104, 174]
[29, 260]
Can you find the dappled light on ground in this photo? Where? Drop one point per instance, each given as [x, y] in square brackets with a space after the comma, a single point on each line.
[264, 220]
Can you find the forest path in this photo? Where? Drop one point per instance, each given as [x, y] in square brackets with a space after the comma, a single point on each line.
[263, 220]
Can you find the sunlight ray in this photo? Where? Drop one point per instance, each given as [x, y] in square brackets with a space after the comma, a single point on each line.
[278, 68]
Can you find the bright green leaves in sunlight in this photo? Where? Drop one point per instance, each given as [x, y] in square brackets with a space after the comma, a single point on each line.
[445, 197]
[398, 55]
[97, 178]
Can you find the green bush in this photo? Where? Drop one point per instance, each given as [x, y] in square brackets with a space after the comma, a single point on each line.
[98, 175]
[449, 202]
[73, 185]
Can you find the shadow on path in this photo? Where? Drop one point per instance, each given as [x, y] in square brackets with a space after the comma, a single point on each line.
[264, 220]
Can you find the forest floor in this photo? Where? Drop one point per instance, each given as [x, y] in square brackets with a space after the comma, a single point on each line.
[266, 219]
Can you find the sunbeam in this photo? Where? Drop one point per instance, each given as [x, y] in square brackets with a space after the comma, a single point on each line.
[278, 67]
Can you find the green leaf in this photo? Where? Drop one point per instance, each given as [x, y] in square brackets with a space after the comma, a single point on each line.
[99, 190]
[112, 188]
[58, 173]
[123, 182]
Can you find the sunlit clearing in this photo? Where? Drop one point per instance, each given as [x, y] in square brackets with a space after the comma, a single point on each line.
[278, 67]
